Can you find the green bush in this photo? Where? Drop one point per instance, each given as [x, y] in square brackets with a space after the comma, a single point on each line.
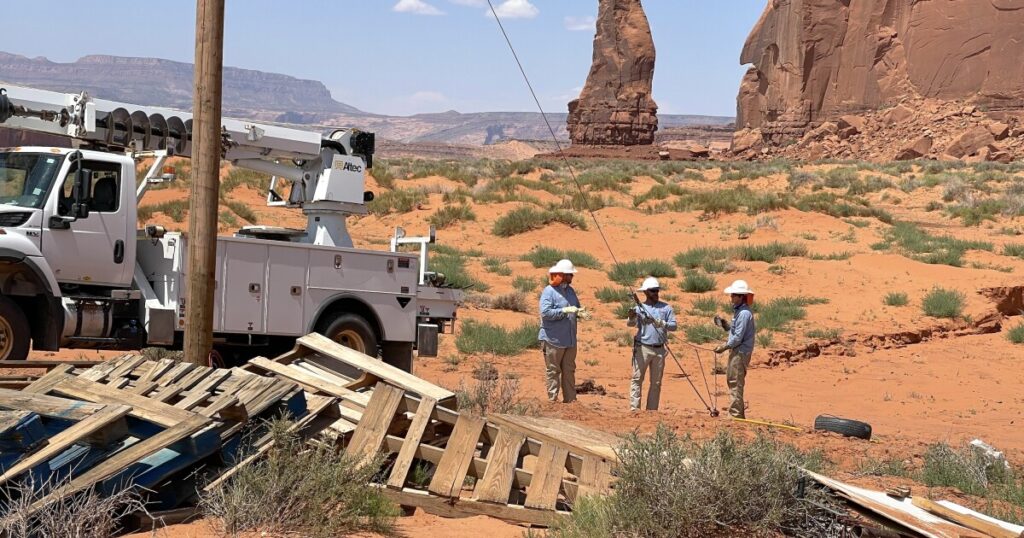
[451, 214]
[705, 305]
[545, 257]
[704, 258]
[695, 282]
[1016, 334]
[1015, 250]
[497, 266]
[824, 334]
[525, 284]
[242, 210]
[238, 177]
[383, 174]
[840, 177]
[452, 264]
[672, 487]
[395, 201]
[890, 467]
[703, 333]
[943, 303]
[924, 247]
[627, 273]
[896, 299]
[770, 252]
[799, 179]
[609, 294]
[175, 209]
[515, 302]
[525, 219]
[777, 314]
[483, 337]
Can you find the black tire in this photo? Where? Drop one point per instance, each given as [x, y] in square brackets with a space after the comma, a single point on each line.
[843, 426]
[352, 331]
[14, 332]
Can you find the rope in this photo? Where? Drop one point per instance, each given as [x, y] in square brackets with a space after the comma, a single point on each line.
[593, 215]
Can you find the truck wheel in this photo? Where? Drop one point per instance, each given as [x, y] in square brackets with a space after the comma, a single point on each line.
[14, 334]
[351, 331]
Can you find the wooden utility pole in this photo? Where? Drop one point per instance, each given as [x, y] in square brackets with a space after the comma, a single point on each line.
[206, 153]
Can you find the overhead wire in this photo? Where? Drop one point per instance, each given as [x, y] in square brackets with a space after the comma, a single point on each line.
[586, 203]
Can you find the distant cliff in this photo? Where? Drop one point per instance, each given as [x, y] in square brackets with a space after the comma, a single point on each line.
[151, 81]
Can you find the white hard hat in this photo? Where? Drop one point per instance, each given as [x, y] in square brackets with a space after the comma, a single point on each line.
[563, 266]
[739, 287]
[649, 284]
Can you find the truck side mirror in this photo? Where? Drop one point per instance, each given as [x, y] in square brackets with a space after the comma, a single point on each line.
[80, 195]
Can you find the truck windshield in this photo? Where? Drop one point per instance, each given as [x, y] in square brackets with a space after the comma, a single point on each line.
[25, 178]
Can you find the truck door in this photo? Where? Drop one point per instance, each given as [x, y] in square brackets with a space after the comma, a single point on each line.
[94, 249]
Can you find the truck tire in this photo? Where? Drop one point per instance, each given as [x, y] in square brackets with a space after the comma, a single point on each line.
[14, 332]
[843, 426]
[351, 331]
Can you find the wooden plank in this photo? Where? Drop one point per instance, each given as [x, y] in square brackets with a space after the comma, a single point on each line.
[43, 384]
[159, 369]
[142, 407]
[126, 367]
[176, 373]
[967, 520]
[412, 440]
[60, 442]
[100, 371]
[547, 477]
[565, 433]
[378, 368]
[501, 467]
[453, 508]
[48, 406]
[194, 377]
[380, 413]
[595, 478]
[321, 372]
[451, 470]
[40, 364]
[302, 377]
[117, 463]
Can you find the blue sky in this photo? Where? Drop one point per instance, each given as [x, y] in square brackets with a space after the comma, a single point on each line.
[408, 56]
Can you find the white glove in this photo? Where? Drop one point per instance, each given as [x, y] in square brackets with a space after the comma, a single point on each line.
[570, 310]
[659, 323]
[584, 313]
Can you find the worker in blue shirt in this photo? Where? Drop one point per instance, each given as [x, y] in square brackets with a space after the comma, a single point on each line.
[652, 319]
[740, 344]
[559, 311]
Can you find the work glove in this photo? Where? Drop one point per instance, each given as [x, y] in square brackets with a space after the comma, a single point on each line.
[659, 323]
[583, 313]
[721, 323]
[721, 349]
[570, 310]
[631, 315]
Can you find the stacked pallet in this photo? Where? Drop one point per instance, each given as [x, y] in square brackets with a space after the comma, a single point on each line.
[172, 429]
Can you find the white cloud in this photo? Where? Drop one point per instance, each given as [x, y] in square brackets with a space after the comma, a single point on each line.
[516, 9]
[427, 97]
[418, 7]
[580, 24]
[473, 3]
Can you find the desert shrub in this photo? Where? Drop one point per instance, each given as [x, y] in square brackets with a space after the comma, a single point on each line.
[835, 256]
[303, 490]
[610, 294]
[525, 284]
[974, 212]
[497, 266]
[515, 301]
[946, 467]
[710, 259]
[89, 514]
[1015, 250]
[451, 214]
[943, 303]
[770, 252]
[705, 305]
[239, 177]
[627, 273]
[824, 334]
[896, 298]
[659, 192]
[672, 487]
[924, 247]
[871, 184]
[483, 337]
[175, 209]
[838, 178]
[765, 339]
[524, 219]
[1016, 334]
[395, 201]
[622, 309]
[800, 178]
[703, 333]
[452, 263]
[696, 282]
[933, 206]
[383, 173]
[545, 257]
[493, 394]
[777, 314]
[228, 219]
[889, 467]
[840, 207]
[242, 210]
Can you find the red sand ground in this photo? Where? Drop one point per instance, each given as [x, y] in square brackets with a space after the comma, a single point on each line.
[949, 389]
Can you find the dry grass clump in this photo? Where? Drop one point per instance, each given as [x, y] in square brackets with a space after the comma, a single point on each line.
[85, 515]
[300, 490]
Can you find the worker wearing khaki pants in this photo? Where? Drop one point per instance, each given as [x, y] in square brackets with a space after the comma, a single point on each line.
[740, 344]
[559, 310]
[652, 319]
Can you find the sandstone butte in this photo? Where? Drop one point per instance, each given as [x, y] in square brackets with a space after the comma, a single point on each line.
[615, 106]
[817, 60]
